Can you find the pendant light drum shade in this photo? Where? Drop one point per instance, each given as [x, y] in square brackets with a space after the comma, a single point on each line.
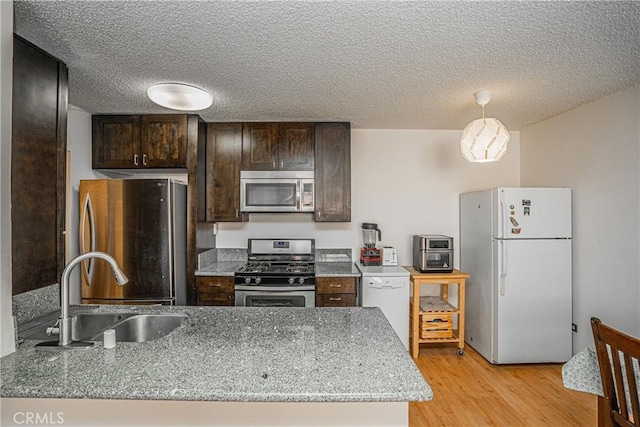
[178, 96]
[484, 140]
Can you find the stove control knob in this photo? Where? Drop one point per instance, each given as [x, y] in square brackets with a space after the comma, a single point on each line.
[291, 280]
[247, 280]
[301, 280]
[258, 280]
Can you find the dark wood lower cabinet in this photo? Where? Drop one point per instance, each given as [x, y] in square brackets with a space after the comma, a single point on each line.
[336, 292]
[215, 290]
[336, 300]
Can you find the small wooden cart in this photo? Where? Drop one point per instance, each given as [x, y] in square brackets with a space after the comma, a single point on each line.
[431, 317]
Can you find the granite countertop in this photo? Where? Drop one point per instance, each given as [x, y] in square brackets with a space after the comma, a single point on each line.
[337, 269]
[220, 268]
[323, 269]
[231, 354]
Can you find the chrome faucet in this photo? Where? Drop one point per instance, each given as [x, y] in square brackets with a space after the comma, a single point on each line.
[64, 339]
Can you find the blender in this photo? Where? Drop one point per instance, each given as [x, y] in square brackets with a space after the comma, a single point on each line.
[369, 254]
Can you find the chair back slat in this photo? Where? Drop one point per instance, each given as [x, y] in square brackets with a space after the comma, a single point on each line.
[631, 381]
[617, 354]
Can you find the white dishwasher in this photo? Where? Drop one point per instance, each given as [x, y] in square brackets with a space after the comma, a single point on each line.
[388, 288]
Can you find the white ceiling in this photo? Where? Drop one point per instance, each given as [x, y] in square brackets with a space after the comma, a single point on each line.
[377, 64]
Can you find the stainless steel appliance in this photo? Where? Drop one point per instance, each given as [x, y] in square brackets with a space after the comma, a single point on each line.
[277, 191]
[433, 253]
[369, 254]
[142, 224]
[279, 273]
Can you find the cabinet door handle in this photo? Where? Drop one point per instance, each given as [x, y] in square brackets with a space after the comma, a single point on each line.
[273, 162]
[215, 285]
[237, 213]
[281, 164]
[335, 286]
[135, 159]
[335, 299]
[144, 159]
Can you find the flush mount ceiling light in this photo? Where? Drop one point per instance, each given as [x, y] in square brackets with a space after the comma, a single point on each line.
[484, 140]
[178, 96]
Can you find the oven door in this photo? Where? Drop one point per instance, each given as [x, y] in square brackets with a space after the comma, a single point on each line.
[277, 191]
[263, 296]
[436, 260]
[270, 195]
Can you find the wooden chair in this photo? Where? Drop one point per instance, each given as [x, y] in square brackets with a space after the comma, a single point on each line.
[612, 347]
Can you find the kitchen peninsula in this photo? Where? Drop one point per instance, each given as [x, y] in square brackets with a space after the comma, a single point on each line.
[226, 365]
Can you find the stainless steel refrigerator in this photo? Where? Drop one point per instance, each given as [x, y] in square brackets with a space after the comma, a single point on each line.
[516, 245]
[142, 223]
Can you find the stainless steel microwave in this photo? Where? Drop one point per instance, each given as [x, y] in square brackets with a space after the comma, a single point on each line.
[277, 191]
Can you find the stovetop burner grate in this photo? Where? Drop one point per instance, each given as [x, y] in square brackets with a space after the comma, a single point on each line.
[282, 268]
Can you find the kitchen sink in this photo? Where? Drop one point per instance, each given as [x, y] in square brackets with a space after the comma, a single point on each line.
[129, 327]
[84, 326]
[146, 327]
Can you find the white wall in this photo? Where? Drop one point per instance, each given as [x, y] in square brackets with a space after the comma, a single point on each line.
[7, 341]
[595, 150]
[406, 181]
[79, 150]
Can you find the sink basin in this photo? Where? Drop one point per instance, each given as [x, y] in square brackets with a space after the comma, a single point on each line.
[83, 326]
[129, 327]
[145, 327]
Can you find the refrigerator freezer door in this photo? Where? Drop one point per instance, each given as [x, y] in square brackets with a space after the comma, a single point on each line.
[532, 293]
[130, 220]
[533, 213]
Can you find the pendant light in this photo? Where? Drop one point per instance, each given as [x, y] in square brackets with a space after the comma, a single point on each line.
[179, 96]
[484, 140]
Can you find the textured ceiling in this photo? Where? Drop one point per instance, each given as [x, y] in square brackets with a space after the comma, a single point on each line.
[377, 64]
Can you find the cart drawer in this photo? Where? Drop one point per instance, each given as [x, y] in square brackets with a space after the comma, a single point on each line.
[438, 325]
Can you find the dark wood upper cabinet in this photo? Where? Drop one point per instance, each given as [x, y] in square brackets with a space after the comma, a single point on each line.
[38, 167]
[133, 141]
[278, 146]
[324, 148]
[116, 141]
[223, 154]
[260, 146]
[295, 146]
[164, 141]
[332, 172]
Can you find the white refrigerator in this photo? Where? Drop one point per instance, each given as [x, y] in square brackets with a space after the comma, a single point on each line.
[515, 243]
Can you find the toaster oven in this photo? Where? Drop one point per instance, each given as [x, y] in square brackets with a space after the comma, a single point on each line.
[433, 253]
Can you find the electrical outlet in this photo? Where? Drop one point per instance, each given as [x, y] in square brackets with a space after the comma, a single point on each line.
[574, 327]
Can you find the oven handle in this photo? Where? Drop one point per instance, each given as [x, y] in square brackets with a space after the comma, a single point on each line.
[298, 194]
[274, 288]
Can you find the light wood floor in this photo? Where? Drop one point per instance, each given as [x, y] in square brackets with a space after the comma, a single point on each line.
[469, 391]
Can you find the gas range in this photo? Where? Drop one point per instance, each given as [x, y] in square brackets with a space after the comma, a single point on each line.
[276, 273]
[280, 262]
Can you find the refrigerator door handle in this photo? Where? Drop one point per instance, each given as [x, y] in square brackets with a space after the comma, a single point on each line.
[87, 215]
[503, 267]
[501, 221]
